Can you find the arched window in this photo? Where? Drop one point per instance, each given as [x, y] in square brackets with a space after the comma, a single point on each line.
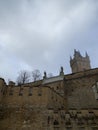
[95, 90]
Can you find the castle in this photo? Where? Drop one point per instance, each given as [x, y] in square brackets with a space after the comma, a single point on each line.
[63, 102]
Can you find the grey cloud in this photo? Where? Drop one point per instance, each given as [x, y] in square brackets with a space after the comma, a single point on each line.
[36, 33]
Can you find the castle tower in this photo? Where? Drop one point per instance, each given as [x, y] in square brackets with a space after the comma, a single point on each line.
[79, 63]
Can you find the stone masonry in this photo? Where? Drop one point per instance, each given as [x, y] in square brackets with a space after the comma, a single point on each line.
[63, 102]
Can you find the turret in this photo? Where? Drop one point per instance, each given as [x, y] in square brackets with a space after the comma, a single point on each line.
[79, 63]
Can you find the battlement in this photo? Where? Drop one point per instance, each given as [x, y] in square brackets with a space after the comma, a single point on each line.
[35, 96]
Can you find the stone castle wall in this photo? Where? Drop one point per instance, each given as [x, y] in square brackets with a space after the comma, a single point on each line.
[80, 91]
[45, 107]
[35, 96]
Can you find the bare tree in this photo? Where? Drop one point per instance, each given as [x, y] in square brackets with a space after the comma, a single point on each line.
[36, 75]
[23, 77]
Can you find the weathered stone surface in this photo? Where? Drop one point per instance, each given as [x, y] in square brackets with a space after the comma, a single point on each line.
[59, 105]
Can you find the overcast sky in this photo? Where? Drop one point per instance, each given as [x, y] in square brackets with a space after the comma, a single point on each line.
[42, 34]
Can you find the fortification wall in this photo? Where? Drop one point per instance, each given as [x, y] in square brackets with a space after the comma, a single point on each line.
[79, 89]
[35, 96]
[23, 112]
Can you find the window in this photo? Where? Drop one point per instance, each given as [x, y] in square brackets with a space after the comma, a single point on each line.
[95, 90]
